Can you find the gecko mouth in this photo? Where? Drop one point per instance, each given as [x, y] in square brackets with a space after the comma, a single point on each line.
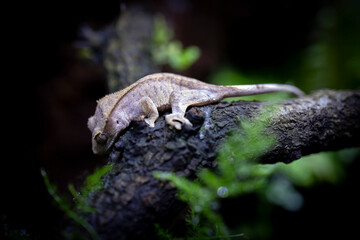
[111, 142]
[101, 147]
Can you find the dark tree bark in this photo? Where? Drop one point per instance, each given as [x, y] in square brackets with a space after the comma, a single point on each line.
[133, 200]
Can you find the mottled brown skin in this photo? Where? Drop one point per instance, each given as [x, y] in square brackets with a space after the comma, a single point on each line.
[157, 92]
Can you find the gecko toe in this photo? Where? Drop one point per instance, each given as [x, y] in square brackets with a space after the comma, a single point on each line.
[177, 125]
[149, 122]
[177, 121]
[187, 122]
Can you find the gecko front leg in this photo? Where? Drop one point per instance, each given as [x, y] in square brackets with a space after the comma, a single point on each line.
[180, 101]
[150, 112]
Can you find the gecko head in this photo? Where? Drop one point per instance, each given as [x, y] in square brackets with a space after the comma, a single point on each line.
[107, 123]
[104, 131]
[101, 138]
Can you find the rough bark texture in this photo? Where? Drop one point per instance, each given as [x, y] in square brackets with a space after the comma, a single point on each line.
[132, 200]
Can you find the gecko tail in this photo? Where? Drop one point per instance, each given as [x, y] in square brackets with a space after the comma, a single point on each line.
[246, 90]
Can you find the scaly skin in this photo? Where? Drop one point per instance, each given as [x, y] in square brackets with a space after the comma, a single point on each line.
[157, 92]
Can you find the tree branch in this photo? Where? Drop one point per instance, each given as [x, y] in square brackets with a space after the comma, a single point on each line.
[133, 200]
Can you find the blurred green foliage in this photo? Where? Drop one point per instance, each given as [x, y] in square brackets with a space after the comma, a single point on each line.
[93, 182]
[321, 167]
[72, 209]
[166, 50]
[237, 173]
[66, 207]
[332, 60]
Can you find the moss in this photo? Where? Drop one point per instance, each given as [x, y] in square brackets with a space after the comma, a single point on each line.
[74, 211]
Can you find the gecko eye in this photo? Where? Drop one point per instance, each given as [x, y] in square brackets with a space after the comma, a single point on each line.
[101, 138]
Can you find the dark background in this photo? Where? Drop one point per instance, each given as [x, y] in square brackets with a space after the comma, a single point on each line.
[55, 91]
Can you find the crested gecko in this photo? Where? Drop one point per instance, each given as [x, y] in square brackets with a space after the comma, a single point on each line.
[157, 92]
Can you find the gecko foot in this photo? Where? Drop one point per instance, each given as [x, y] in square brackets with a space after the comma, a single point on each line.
[176, 120]
[150, 122]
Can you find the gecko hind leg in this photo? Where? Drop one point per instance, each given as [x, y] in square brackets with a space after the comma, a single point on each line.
[149, 110]
[180, 101]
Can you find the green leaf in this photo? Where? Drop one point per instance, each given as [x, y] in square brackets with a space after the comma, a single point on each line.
[64, 206]
[93, 182]
[166, 50]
